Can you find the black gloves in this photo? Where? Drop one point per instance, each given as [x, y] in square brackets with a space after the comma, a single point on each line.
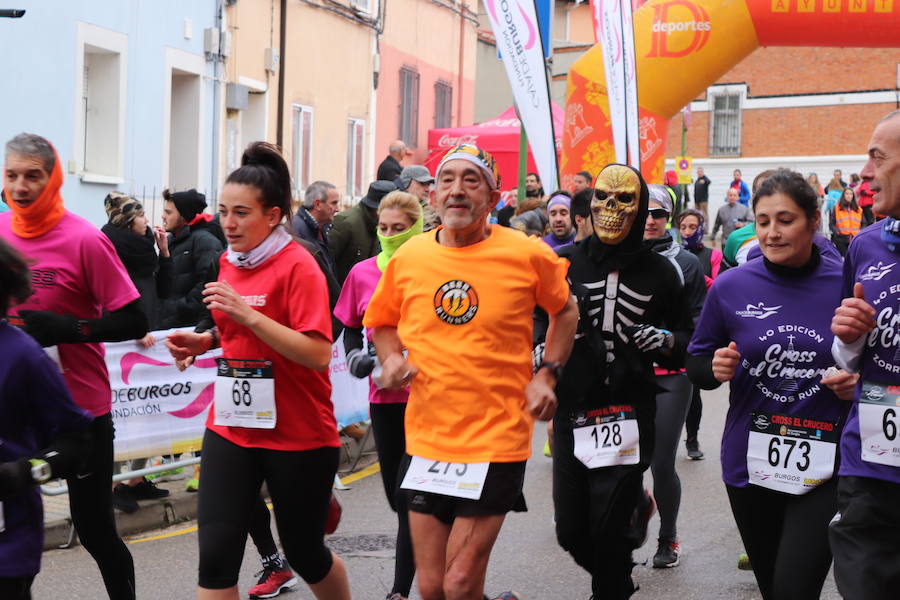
[649, 338]
[360, 363]
[49, 328]
[15, 476]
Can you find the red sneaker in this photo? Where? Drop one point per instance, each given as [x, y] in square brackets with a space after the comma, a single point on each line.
[334, 516]
[272, 582]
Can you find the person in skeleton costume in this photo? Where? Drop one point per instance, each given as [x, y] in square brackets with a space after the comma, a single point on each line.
[632, 314]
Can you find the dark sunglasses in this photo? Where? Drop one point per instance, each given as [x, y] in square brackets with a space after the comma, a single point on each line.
[659, 213]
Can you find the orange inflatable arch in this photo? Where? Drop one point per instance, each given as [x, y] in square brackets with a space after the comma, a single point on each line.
[701, 40]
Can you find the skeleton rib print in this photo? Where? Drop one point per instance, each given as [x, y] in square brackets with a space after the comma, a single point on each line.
[615, 306]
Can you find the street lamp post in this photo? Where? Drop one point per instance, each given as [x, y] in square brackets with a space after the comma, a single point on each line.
[11, 13]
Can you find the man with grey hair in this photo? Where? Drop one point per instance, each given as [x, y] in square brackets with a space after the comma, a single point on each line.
[390, 167]
[314, 218]
[73, 310]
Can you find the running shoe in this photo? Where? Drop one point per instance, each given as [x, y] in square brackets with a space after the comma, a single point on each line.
[123, 499]
[272, 582]
[667, 554]
[507, 596]
[395, 596]
[193, 484]
[693, 449]
[640, 519]
[147, 490]
[744, 562]
[334, 515]
[547, 451]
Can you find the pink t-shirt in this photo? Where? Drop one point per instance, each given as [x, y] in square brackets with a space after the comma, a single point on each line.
[75, 271]
[351, 306]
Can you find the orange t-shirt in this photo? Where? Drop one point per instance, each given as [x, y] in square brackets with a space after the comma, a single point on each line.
[465, 316]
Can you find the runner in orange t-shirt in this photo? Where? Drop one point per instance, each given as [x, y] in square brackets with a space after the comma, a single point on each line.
[460, 300]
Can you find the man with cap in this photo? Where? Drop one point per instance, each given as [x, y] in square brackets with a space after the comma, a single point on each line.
[195, 243]
[353, 239]
[562, 231]
[473, 393]
[416, 180]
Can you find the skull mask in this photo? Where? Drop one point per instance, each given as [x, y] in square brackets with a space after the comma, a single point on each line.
[615, 203]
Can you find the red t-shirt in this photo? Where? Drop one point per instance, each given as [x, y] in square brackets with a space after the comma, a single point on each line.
[290, 289]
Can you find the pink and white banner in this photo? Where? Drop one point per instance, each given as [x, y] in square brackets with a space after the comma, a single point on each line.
[159, 410]
[516, 29]
[614, 30]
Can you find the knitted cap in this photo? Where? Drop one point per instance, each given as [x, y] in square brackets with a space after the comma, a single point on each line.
[122, 209]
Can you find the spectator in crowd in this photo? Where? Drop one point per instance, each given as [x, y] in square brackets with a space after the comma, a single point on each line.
[314, 218]
[580, 212]
[845, 220]
[854, 180]
[507, 207]
[533, 186]
[353, 238]
[195, 242]
[582, 181]
[390, 168]
[670, 179]
[559, 209]
[864, 196]
[701, 193]
[731, 215]
[44, 435]
[837, 181]
[134, 242]
[416, 180]
[813, 181]
[741, 186]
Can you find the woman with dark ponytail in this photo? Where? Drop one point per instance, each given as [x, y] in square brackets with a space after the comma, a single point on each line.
[272, 418]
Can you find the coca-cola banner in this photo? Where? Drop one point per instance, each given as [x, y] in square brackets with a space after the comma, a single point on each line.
[160, 410]
[519, 42]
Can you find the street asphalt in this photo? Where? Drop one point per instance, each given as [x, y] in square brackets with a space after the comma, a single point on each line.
[526, 558]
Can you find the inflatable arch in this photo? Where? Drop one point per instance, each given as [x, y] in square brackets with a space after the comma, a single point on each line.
[701, 40]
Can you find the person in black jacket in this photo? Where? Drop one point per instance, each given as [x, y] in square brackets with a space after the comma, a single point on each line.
[314, 218]
[194, 242]
[633, 313]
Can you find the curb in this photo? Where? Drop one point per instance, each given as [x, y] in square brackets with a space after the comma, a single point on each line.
[180, 506]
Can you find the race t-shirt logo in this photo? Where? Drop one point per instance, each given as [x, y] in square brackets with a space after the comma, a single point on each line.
[758, 312]
[876, 272]
[456, 302]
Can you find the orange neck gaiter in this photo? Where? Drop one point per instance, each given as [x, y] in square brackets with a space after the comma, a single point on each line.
[43, 214]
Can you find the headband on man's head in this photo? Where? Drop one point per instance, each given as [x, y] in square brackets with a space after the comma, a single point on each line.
[478, 157]
[560, 199]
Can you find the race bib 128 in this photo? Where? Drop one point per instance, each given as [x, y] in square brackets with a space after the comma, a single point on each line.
[607, 436]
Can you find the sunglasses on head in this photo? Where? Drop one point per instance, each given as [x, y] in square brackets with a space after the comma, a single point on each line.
[659, 213]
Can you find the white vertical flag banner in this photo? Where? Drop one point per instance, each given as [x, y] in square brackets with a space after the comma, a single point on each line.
[614, 30]
[515, 26]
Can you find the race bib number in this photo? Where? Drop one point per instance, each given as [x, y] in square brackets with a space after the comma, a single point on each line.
[461, 480]
[879, 420]
[608, 436]
[790, 454]
[244, 393]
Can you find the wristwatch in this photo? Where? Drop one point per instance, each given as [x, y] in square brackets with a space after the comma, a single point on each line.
[40, 471]
[555, 368]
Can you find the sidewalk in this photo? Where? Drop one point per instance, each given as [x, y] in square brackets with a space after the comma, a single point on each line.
[179, 506]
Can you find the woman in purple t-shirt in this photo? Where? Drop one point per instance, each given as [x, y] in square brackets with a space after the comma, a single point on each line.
[399, 219]
[765, 328]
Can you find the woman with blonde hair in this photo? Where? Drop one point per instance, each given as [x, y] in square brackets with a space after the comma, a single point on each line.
[399, 219]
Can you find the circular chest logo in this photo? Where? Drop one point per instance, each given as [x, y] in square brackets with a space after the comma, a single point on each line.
[456, 302]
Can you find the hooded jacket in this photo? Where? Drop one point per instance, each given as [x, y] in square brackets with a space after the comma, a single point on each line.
[193, 251]
[352, 239]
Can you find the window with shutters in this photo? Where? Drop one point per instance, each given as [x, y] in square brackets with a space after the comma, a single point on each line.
[356, 139]
[302, 147]
[443, 105]
[725, 124]
[409, 107]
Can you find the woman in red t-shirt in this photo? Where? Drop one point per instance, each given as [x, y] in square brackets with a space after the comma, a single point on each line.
[272, 418]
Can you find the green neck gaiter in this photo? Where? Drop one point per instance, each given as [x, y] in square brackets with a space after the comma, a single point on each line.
[390, 243]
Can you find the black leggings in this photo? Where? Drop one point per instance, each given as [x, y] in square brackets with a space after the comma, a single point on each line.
[90, 502]
[671, 408]
[692, 423]
[390, 441]
[16, 588]
[260, 529]
[786, 538]
[300, 484]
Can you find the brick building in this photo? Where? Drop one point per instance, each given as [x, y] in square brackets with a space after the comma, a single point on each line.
[810, 109]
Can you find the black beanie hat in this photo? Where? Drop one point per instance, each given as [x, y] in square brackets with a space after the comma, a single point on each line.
[188, 203]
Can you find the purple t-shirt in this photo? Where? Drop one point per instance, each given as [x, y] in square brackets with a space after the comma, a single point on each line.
[554, 242]
[35, 408]
[870, 262]
[782, 327]
[349, 310]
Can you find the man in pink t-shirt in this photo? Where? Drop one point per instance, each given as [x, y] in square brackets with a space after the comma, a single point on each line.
[83, 296]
